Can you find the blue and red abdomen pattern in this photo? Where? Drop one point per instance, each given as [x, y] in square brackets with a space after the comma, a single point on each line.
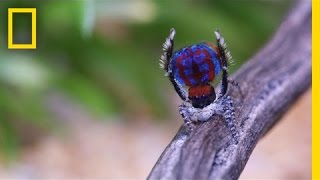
[195, 65]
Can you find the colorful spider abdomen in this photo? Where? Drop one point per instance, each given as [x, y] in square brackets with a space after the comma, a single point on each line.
[196, 66]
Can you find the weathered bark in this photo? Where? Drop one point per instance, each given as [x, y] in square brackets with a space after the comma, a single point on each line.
[270, 81]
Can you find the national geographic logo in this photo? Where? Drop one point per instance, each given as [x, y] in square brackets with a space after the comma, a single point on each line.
[33, 44]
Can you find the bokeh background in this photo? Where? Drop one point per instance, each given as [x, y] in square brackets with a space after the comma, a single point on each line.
[91, 101]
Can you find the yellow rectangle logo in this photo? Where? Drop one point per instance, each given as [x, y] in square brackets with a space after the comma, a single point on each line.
[33, 44]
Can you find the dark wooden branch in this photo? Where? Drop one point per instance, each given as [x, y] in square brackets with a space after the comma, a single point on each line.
[270, 81]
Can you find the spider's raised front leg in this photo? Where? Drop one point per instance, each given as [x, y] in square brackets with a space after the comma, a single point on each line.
[226, 81]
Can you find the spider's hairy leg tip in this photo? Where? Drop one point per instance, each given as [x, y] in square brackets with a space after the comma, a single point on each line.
[172, 33]
[217, 34]
[222, 42]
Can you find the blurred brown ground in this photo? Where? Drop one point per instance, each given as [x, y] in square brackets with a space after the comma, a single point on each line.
[95, 149]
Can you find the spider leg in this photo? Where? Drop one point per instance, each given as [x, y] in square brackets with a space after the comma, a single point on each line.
[224, 62]
[236, 84]
[229, 116]
[165, 60]
[167, 48]
[223, 106]
[224, 82]
[226, 58]
[186, 116]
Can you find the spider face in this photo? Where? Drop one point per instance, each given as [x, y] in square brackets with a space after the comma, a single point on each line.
[192, 69]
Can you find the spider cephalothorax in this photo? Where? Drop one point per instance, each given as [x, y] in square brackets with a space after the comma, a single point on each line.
[192, 71]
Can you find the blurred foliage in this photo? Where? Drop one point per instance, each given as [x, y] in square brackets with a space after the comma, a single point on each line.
[104, 55]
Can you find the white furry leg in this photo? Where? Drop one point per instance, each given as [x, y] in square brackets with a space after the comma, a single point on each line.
[229, 116]
[222, 106]
[186, 115]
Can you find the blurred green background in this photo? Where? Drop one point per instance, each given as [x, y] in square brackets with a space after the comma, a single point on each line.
[103, 56]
